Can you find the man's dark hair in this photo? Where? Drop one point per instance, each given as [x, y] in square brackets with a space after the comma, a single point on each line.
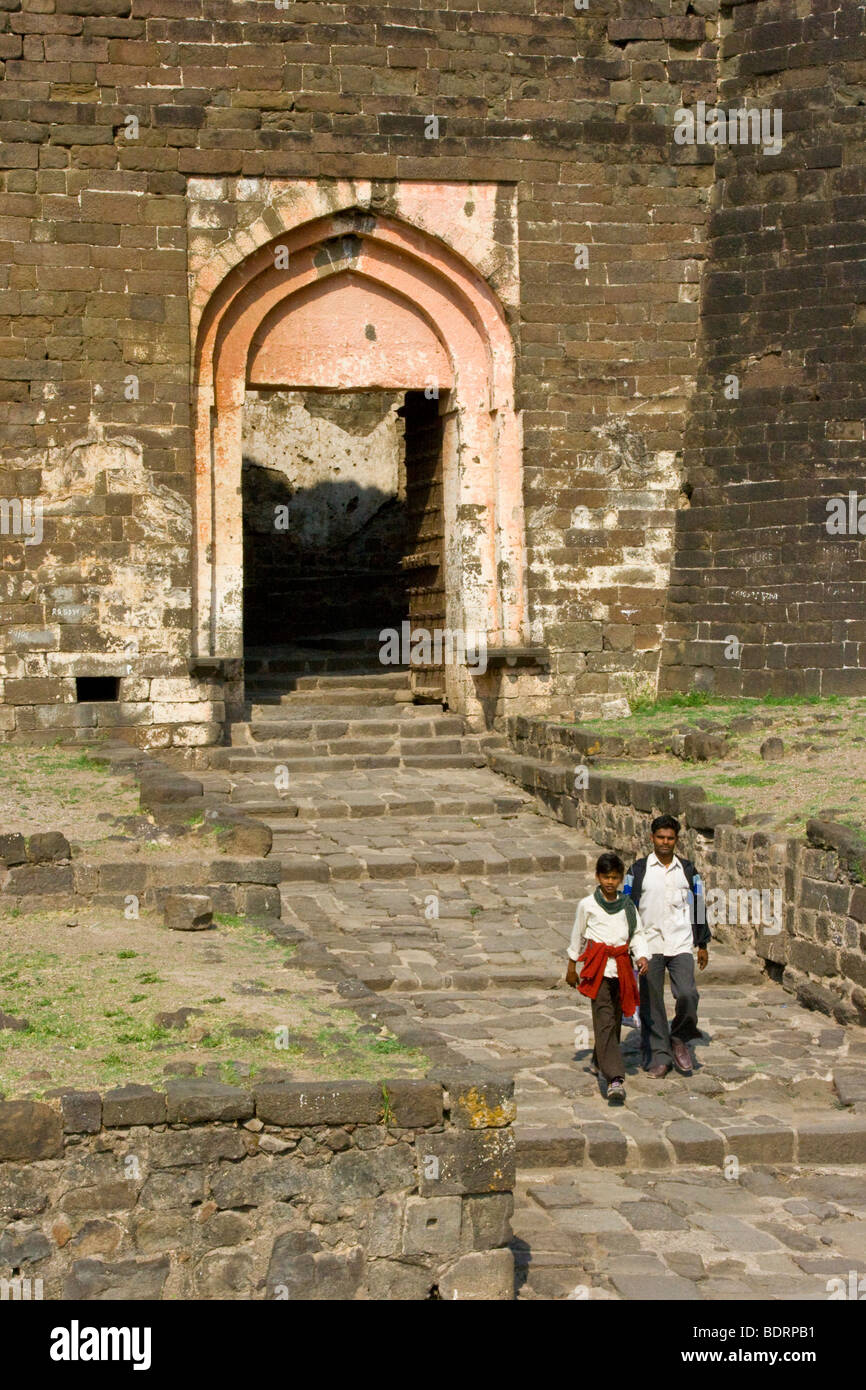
[609, 863]
[665, 822]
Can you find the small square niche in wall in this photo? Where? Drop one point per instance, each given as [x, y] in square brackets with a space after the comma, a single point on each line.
[90, 688]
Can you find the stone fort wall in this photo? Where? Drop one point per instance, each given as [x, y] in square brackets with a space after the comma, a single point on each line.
[118, 114]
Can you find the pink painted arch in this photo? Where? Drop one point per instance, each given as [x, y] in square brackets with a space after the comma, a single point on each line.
[451, 327]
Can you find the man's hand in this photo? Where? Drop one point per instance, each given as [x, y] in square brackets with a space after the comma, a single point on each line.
[703, 957]
[642, 965]
[571, 974]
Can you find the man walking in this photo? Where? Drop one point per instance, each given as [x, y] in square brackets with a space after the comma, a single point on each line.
[669, 896]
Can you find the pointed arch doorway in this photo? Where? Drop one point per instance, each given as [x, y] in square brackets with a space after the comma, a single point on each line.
[353, 301]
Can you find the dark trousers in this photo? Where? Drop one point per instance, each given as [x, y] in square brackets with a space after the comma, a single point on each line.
[656, 1033]
[606, 1025]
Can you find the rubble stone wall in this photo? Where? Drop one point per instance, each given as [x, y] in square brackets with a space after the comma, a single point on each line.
[293, 1190]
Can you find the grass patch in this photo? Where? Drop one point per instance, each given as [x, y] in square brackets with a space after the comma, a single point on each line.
[92, 1009]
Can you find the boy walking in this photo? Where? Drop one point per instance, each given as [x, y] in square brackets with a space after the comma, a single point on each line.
[668, 892]
[606, 937]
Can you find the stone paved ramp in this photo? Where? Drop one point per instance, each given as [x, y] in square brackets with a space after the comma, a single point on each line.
[690, 1234]
[445, 888]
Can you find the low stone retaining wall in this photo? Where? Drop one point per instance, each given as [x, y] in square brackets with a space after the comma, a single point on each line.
[799, 905]
[291, 1190]
[248, 886]
[44, 872]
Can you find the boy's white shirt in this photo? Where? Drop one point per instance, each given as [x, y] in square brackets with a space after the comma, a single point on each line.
[592, 923]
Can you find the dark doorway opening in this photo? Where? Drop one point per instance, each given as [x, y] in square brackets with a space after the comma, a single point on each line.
[342, 518]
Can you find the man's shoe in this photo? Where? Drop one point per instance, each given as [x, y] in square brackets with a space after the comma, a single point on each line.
[658, 1071]
[616, 1092]
[682, 1058]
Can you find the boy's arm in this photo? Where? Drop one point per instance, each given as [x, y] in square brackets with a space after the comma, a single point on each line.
[639, 946]
[576, 944]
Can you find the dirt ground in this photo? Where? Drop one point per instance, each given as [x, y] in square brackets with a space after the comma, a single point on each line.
[93, 989]
[822, 771]
[94, 997]
[60, 789]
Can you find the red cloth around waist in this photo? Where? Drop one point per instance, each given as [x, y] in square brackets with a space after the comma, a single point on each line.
[595, 957]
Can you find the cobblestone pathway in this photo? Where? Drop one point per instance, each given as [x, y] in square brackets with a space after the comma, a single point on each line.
[439, 883]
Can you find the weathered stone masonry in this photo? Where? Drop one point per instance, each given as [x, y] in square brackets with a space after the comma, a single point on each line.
[294, 1190]
[145, 142]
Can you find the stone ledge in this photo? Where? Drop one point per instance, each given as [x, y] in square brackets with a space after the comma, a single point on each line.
[28, 1127]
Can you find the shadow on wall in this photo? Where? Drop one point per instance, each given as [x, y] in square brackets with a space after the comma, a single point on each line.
[319, 559]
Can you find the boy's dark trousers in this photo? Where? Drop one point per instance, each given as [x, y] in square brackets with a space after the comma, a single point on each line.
[606, 1025]
[656, 1033]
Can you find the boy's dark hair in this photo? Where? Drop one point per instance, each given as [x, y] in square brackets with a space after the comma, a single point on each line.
[609, 863]
[665, 822]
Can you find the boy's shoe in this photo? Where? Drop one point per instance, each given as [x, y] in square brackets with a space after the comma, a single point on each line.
[616, 1092]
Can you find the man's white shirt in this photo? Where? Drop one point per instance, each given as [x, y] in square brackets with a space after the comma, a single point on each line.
[664, 908]
[592, 923]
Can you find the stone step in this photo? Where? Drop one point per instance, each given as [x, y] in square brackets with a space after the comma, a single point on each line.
[380, 680]
[266, 755]
[617, 1139]
[317, 696]
[277, 810]
[299, 710]
[265, 726]
[324, 748]
[371, 747]
[402, 864]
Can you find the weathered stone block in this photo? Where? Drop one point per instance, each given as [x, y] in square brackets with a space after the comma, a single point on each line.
[188, 911]
[246, 836]
[479, 1102]
[190, 1148]
[132, 1105]
[38, 879]
[384, 1226]
[192, 1101]
[82, 1112]
[127, 1280]
[487, 1220]
[765, 1143]
[481, 1275]
[605, 1144]
[23, 1244]
[468, 1162]
[319, 1103]
[388, 1280]
[842, 1141]
[300, 1269]
[13, 850]
[695, 1143]
[414, 1104]
[542, 1146]
[29, 1129]
[47, 847]
[104, 1196]
[432, 1226]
